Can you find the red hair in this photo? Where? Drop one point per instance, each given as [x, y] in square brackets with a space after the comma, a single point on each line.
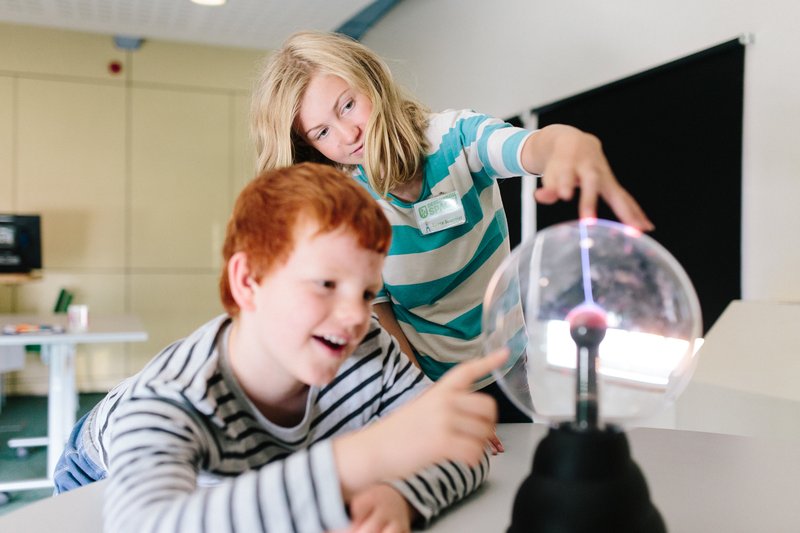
[268, 209]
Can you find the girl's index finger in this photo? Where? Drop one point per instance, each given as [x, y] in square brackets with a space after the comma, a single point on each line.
[587, 203]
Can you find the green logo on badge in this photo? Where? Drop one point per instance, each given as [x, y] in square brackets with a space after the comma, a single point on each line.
[423, 212]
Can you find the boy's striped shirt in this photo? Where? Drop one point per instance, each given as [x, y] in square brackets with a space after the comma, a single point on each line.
[187, 451]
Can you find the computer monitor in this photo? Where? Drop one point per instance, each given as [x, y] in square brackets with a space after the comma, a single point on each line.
[20, 243]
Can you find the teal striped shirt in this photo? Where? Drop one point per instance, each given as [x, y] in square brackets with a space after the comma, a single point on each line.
[436, 282]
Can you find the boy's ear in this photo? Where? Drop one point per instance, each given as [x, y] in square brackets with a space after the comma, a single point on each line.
[240, 282]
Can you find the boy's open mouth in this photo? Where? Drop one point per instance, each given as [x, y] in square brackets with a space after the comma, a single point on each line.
[331, 341]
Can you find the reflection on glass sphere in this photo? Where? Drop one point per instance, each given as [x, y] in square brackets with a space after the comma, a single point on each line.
[586, 273]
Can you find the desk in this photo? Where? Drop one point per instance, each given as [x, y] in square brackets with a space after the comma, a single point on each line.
[58, 350]
[753, 347]
[77, 511]
[700, 482]
[746, 377]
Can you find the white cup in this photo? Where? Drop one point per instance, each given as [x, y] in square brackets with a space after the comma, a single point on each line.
[78, 317]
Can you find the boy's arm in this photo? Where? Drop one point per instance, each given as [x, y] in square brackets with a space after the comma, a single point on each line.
[155, 454]
[381, 507]
[434, 489]
[436, 442]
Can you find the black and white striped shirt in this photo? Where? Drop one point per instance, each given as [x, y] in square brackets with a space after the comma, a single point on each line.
[186, 450]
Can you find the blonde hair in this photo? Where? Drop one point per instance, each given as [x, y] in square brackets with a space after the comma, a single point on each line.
[395, 134]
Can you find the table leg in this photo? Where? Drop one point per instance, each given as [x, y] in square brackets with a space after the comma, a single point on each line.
[61, 404]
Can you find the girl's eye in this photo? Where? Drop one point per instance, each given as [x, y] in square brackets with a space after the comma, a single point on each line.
[348, 106]
[327, 284]
[369, 296]
[321, 134]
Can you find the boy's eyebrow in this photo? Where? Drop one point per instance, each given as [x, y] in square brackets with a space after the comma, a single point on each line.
[336, 106]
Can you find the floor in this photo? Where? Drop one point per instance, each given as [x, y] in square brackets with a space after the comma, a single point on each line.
[26, 416]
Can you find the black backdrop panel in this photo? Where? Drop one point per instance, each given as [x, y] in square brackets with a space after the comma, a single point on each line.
[673, 136]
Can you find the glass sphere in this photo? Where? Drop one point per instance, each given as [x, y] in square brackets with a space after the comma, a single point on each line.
[592, 283]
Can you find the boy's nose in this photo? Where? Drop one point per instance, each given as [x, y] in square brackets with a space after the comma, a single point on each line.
[352, 312]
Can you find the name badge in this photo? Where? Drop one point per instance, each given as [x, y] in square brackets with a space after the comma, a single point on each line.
[440, 212]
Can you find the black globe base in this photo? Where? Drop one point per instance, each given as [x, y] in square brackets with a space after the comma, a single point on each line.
[584, 481]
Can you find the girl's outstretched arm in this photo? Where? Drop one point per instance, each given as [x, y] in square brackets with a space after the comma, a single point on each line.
[568, 158]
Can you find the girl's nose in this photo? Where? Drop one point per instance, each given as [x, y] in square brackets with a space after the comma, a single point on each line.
[350, 133]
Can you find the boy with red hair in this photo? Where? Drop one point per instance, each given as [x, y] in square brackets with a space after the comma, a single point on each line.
[294, 405]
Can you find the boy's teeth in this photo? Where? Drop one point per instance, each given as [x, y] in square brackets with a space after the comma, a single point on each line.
[334, 339]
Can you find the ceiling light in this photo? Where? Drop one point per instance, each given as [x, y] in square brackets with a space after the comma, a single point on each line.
[209, 2]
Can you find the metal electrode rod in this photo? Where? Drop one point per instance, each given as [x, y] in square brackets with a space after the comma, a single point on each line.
[588, 328]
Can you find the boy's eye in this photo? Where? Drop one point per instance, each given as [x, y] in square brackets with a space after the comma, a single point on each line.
[369, 295]
[327, 284]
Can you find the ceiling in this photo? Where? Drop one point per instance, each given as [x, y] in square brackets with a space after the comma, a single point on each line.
[262, 24]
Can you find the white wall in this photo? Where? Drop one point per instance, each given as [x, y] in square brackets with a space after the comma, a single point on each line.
[134, 174]
[507, 56]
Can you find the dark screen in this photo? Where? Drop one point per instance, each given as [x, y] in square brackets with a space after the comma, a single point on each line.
[673, 136]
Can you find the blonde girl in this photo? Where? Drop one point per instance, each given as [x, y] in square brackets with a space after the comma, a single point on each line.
[326, 98]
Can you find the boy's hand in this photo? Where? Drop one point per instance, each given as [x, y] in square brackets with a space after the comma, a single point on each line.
[568, 158]
[380, 509]
[456, 422]
[446, 422]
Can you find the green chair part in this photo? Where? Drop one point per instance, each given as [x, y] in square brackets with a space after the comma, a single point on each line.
[62, 303]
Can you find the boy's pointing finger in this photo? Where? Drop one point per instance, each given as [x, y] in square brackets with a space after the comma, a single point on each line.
[466, 373]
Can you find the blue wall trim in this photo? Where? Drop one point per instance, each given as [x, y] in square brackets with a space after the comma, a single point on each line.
[362, 21]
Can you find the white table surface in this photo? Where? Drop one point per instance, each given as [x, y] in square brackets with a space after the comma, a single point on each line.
[753, 347]
[700, 482]
[746, 381]
[58, 350]
[102, 329]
